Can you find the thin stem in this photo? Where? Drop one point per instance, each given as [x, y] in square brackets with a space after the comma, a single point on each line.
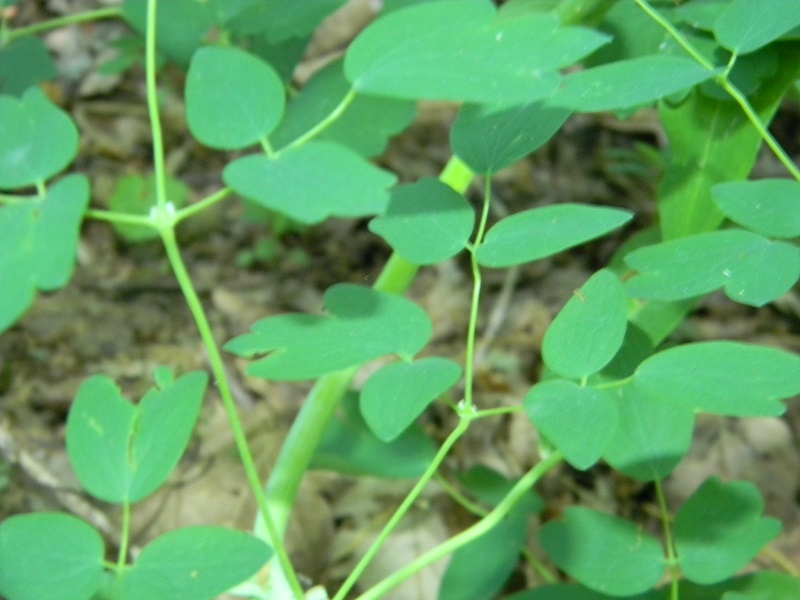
[670, 28]
[494, 412]
[218, 370]
[118, 217]
[475, 531]
[783, 561]
[125, 536]
[152, 108]
[469, 360]
[324, 124]
[669, 544]
[200, 206]
[81, 17]
[459, 497]
[409, 500]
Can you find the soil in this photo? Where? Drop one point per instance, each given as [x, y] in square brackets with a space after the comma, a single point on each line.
[122, 315]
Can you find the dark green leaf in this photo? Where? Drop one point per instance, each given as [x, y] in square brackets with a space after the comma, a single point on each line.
[361, 325]
[281, 20]
[38, 139]
[349, 447]
[744, 25]
[752, 269]
[604, 553]
[393, 397]
[487, 59]
[767, 206]
[24, 62]
[39, 244]
[233, 99]
[490, 488]
[577, 420]
[720, 529]
[365, 126]
[588, 332]
[573, 591]
[312, 182]
[629, 83]
[489, 138]
[426, 222]
[136, 195]
[725, 378]
[193, 563]
[49, 555]
[541, 232]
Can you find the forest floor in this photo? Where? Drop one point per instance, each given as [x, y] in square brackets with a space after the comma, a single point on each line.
[123, 315]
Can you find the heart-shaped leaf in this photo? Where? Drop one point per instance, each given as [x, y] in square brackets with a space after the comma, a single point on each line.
[589, 330]
[577, 420]
[49, 555]
[426, 222]
[193, 563]
[752, 269]
[767, 206]
[39, 244]
[233, 99]
[362, 325]
[38, 139]
[720, 529]
[122, 452]
[725, 378]
[488, 59]
[312, 182]
[540, 232]
[393, 397]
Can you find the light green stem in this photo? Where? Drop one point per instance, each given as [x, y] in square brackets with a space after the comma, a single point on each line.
[669, 544]
[125, 536]
[81, 17]
[152, 109]
[472, 533]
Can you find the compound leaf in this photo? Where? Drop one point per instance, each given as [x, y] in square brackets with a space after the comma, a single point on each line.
[577, 420]
[487, 59]
[49, 555]
[489, 138]
[233, 99]
[362, 325]
[752, 269]
[393, 397]
[604, 553]
[312, 182]
[39, 244]
[426, 222]
[720, 529]
[725, 378]
[193, 563]
[541, 232]
[589, 330]
[744, 26]
[767, 206]
[629, 83]
[39, 139]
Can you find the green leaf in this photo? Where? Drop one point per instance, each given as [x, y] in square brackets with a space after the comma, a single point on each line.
[489, 138]
[629, 83]
[573, 591]
[725, 378]
[365, 126]
[744, 25]
[39, 244]
[181, 25]
[233, 99]
[121, 452]
[312, 182]
[280, 20]
[49, 555]
[767, 206]
[490, 488]
[487, 59]
[393, 397]
[752, 269]
[588, 332]
[577, 420]
[426, 222]
[604, 553]
[720, 529]
[136, 195]
[193, 563]
[651, 437]
[349, 447]
[38, 139]
[24, 62]
[541, 232]
[362, 325]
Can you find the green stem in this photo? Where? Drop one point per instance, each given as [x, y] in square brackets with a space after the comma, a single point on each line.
[669, 544]
[198, 207]
[118, 217]
[82, 17]
[475, 531]
[324, 124]
[125, 536]
[404, 507]
[152, 108]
